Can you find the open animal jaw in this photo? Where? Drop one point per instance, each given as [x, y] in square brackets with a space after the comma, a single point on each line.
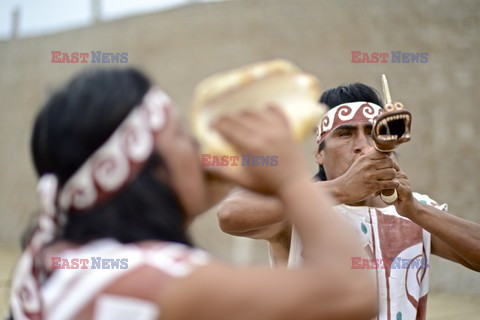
[391, 129]
[393, 126]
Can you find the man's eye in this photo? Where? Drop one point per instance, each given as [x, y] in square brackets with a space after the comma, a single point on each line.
[344, 133]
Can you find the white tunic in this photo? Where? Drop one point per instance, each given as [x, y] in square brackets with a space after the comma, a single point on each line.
[401, 250]
[67, 292]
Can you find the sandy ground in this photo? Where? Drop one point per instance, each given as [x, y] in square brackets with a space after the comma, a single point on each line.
[441, 305]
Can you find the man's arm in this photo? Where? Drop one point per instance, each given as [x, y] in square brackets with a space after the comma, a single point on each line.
[249, 214]
[324, 287]
[256, 216]
[453, 238]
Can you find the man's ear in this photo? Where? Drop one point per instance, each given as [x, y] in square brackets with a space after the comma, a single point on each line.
[319, 156]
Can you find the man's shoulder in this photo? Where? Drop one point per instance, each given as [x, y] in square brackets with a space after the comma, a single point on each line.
[129, 270]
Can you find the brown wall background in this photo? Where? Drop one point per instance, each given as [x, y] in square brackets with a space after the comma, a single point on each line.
[178, 48]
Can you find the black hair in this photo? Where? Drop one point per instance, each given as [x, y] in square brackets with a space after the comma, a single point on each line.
[74, 123]
[351, 92]
[346, 93]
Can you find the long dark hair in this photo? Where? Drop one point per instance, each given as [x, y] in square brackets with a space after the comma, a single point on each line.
[74, 123]
[346, 93]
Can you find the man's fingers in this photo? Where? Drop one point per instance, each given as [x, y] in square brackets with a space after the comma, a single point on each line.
[383, 163]
[233, 131]
[401, 175]
[396, 166]
[390, 184]
[403, 191]
[376, 155]
[228, 124]
[252, 119]
[278, 114]
[386, 174]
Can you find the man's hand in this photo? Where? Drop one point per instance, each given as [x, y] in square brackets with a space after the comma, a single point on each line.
[371, 172]
[262, 132]
[406, 204]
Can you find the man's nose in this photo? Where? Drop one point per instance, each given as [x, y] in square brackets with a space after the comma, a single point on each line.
[362, 141]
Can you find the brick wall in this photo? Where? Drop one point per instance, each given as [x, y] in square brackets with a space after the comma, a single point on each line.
[180, 47]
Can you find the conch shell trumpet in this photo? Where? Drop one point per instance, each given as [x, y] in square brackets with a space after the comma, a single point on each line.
[255, 86]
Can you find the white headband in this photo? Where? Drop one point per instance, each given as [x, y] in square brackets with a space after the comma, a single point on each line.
[116, 162]
[346, 113]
